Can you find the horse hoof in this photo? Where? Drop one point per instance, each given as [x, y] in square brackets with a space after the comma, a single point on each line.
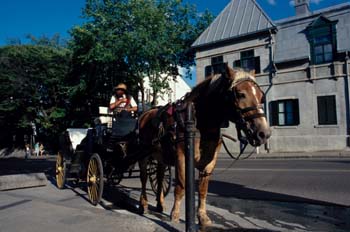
[204, 220]
[143, 210]
[175, 217]
[160, 208]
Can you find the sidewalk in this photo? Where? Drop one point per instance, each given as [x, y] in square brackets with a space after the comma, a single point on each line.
[45, 209]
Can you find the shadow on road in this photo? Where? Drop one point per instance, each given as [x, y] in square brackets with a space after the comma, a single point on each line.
[226, 189]
[11, 166]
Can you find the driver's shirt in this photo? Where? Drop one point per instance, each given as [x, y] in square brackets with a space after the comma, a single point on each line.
[123, 105]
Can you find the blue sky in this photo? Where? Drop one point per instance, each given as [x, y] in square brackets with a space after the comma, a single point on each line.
[47, 17]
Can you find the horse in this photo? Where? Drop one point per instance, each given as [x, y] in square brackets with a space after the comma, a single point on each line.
[232, 96]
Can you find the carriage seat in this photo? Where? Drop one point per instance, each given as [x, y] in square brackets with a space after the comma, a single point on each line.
[76, 136]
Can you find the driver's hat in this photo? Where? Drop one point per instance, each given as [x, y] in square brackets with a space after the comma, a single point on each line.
[121, 86]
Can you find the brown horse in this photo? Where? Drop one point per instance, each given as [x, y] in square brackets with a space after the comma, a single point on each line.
[232, 96]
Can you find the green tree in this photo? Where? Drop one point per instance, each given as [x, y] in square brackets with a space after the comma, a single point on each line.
[55, 41]
[126, 40]
[33, 88]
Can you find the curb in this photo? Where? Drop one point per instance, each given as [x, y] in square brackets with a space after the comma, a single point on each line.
[17, 181]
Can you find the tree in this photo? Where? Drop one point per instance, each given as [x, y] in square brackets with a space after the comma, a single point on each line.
[32, 88]
[126, 40]
[55, 41]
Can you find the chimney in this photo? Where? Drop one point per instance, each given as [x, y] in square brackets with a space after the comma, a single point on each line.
[302, 7]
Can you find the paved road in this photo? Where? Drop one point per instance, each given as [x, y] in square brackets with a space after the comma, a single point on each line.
[322, 181]
[276, 195]
[252, 195]
[305, 194]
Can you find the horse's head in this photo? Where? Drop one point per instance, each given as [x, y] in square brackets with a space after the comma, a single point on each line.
[247, 100]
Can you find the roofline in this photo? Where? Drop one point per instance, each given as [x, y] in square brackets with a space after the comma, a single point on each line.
[264, 13]
[292, 19]
[269, 21]
[232, 39]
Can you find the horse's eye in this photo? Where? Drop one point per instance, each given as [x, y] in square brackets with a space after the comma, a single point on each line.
[240, 95]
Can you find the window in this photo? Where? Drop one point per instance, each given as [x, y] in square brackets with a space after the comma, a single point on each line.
[322, 39]
[208, 71]
[327, 111]
[216, 67]
[284, 112]
[323, 49]
[248, 61]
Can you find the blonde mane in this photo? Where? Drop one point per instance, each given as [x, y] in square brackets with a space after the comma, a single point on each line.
[210, 83]
[241, 75]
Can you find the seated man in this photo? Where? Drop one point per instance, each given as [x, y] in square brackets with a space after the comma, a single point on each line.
[124, 109]
[121, 101]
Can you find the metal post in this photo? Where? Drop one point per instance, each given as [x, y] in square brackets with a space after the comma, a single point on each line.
[189, 164]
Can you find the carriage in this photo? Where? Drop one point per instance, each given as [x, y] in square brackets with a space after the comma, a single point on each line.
[105, 154]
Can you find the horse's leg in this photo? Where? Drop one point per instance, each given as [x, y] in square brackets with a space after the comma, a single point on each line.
[143, 177]
[179, 191]
[206, 166]
[160, 193]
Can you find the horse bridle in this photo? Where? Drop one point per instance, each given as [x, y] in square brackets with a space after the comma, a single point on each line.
[240, 117]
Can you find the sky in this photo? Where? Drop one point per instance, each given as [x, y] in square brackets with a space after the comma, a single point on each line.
[19, 18]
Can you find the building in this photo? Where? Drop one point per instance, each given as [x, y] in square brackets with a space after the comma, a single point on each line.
[301, 62]
[177, 89]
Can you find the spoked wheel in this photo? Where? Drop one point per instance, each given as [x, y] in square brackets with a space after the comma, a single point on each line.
[95, 179]
[152, 175]
[61, 170]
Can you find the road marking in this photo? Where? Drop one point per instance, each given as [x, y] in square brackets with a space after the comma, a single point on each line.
[280, 170]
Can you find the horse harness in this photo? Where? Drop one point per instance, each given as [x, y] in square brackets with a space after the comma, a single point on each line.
[176, 110]
[239, 116]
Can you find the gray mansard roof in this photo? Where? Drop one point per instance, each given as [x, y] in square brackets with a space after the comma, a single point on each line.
[291, 40]
[239, 18]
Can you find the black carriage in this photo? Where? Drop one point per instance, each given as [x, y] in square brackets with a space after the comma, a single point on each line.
[103, 154]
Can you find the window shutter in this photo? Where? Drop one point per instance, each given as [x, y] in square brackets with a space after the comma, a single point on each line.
[296, 116]
[331, 110]
[237, 63]
[274, 113]
[257, 64]
[321, 107]
[208, 70]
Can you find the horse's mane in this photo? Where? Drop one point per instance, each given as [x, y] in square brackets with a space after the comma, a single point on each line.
[212, 83]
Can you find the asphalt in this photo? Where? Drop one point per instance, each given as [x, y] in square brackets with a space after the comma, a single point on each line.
[47, 208]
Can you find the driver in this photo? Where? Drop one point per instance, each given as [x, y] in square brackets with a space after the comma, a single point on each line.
[122, 101]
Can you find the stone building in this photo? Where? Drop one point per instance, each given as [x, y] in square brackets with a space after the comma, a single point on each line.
[301, 62]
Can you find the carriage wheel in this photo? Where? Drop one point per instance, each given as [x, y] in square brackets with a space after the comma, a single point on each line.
[61, 170]
[152, 175]
[95, 179]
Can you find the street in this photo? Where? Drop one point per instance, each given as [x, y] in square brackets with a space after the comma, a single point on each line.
[310, 193]
[322, 181]
[248, 195]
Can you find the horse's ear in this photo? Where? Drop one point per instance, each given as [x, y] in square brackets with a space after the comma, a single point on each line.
[229, 72]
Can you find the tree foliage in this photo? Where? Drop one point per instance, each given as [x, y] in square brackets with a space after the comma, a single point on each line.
[56, 86]
[126, 40]
[32, 87]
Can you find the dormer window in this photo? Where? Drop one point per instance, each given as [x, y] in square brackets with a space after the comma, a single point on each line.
[322, 38]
